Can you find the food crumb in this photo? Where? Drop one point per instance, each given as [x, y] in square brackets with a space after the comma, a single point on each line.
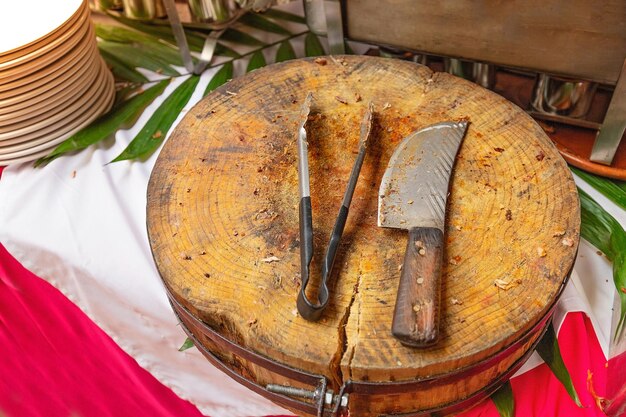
[357, 97]
[386, 106]
[235, 233]
[270, 259]
[541, 252]
[74, 174]
[207, 275]
[320, 61]
[422, 251]
[186, 257]
[420, 281]
[157, 134]
[540, 156]
[410, 201]
[568, 241]
[456, 301]
[506, 284]
[416, 307]
[558, 233]
[499, 149]
[341, 99]
[509, 215]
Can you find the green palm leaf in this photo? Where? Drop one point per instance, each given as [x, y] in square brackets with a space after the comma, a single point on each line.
[242, 38]
[195, 40]
[259, 22]
[153, 133]
[285, 52]
[504, 401]
[188, 344]
[256, 61]
[147, 44]
[610, 189]
[548, 349]
[137, 57]
[221, 76]
[125, 113]
[282, 15]
[312, 45]
[122, 70]
[601, 229]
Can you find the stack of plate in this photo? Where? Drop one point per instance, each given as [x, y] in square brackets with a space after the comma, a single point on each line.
[53, 81]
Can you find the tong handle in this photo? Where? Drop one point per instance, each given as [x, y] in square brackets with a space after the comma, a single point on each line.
[308, 310]
[306, 237]
[333, 245]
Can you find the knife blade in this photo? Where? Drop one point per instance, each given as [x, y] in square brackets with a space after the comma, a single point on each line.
[412, 196]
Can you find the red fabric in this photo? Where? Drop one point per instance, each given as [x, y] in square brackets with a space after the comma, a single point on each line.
[538, 392]
[54, 361]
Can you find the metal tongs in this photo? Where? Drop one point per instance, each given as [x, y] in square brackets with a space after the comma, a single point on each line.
[307, 309]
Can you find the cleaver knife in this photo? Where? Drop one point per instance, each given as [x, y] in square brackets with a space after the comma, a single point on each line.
[412, 196]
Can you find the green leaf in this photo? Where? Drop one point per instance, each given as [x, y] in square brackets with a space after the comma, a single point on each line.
[223, 50]
[187, 345]
[221, 76]
[285, 52]
[155, 130]
[548, 349]
[312, 45]
[147, 44]
[127, 91]
[163, 32]
[504, 401]
[242, 38]
[256, 61]
[122, 114]
[122, 34]
[257, 21]
[121, 70]
[606, 187]
[605, 233]
[282, 15]
[137, 57]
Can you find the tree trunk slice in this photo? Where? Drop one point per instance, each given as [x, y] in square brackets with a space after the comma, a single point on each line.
[223, 225]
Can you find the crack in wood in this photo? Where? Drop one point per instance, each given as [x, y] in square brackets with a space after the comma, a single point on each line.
[342, 345]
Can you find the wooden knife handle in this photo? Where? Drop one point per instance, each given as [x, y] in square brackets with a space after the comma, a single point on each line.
[416, 315]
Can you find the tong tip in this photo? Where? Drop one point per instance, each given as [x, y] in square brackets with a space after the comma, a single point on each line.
[366, 124]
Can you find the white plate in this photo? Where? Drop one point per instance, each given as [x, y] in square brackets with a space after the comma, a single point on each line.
[29, 154]
[49, 73]
[43, 99]
[23, 66]
[42, 139]
[50, 94]
[23, 22]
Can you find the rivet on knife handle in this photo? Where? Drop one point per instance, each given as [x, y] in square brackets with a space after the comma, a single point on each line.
[412, 196]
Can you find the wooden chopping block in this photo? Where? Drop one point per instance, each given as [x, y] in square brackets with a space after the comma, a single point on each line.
[223, 227]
